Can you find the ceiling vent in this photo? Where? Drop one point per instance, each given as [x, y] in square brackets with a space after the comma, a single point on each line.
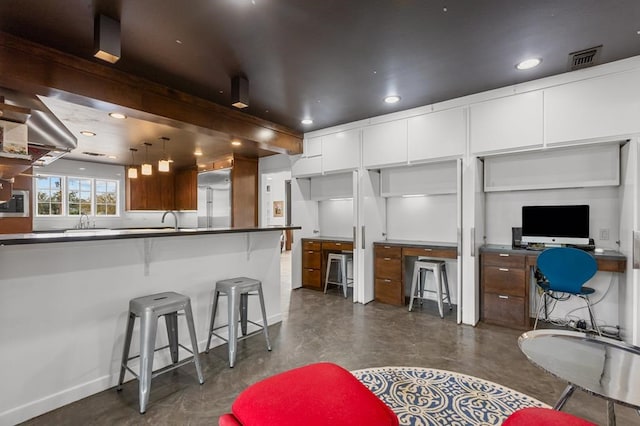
[93, 154]
[584, 58]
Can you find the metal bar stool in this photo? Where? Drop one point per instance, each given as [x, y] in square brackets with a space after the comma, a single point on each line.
[238, 291]
[149, 309]
[340, 261]
[438, 267]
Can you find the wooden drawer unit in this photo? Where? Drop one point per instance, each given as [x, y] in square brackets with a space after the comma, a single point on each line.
[337, 246]
[312, 264]
[505, 299]
[389, 287]
[431, 252]
[389, 291]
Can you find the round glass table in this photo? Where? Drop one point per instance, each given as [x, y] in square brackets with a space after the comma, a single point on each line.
[600, 366]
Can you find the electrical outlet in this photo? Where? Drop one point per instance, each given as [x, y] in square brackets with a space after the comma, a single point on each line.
[604, 234]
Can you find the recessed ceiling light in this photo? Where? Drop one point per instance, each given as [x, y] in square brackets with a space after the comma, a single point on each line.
[82, 168]
[113, 157]
[87, 133]
[236, 143]
[392, 99]
[118, 115]
[197, 153]
[179, 41]
[528, 63]
[307, 121]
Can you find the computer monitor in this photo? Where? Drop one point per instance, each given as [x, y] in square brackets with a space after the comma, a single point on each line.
[555, 225]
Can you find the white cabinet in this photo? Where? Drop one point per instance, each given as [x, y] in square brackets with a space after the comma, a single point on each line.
[341, 151]
[441, 134]
[423, 179]
[504, 124]
[312, 147]
[304, 167]
[384, 144]
[601, 107]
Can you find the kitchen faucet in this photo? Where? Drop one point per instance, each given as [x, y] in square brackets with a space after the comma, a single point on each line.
[175, 218]
[85, 224]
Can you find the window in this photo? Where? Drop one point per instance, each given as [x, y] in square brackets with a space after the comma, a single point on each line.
[49, 195]
[81, 195]
[106, 197]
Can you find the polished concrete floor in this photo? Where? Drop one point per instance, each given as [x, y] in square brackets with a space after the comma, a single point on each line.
[319, 327]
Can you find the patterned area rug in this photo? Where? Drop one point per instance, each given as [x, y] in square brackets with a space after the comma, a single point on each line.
[425, 396]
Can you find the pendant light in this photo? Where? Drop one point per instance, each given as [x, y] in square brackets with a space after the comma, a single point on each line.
[132, 172]
[163, 164]
[146, 167]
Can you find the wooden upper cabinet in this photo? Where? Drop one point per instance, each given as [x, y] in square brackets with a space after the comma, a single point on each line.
[506, 124]
[186, 189]
[155, 192]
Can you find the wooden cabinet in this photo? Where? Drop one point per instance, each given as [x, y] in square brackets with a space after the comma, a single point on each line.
[505, 124]
[384, 144]
[441, 134]
[155, 192]
[505, 290]
[311, 264]
[314, 259]
[388, 286]
[186, 189]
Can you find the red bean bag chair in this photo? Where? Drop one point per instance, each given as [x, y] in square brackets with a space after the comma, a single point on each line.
[315, 395]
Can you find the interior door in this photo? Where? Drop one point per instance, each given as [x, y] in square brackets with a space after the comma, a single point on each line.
[372, 226]
[629, 282]
[472, 239]
[459, 238]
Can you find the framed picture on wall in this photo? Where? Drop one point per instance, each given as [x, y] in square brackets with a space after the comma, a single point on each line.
[278, 208]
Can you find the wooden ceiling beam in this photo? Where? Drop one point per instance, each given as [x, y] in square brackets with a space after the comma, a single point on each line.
[33, 68]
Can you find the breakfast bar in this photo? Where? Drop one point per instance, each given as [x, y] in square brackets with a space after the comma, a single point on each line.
[65, 298]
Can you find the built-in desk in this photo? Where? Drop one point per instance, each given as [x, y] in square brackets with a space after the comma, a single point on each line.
[506, 276]
[314, 258]
[389, 261]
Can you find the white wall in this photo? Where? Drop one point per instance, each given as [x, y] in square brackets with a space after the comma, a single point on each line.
[336, 218]
[427, 218]
[272, 190]
[126, 219]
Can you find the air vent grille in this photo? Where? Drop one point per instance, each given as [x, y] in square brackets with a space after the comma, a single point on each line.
[584, 58]
[93, 154]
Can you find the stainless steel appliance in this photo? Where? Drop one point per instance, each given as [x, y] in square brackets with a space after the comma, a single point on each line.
[17, 206]
[214, 199]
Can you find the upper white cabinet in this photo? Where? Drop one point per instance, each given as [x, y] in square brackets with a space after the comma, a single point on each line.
[601, 107]
[341, 151]
[422, 179]
[385, 144]
[312, 147]
[437, 135]
[504, 124]
[305, 167]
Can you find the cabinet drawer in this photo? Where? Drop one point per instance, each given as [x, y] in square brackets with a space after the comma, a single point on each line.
[429, 252]
[311, 278]
[311, 259]
[389, 291]
[388, 251]
[310, 245]
[388, 267]
[505, 281]
[506, 260]
[504, 310]
[335, 245]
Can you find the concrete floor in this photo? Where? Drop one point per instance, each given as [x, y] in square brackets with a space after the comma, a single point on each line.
[318, 327]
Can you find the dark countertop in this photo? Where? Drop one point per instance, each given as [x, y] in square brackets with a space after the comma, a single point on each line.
[497, 248]
[325, 238]
[116, 234]
[417, 243]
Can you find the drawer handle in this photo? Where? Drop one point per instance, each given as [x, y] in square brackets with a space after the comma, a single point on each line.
[387, 247]
[387, 280]
[503, 269]
[387, 258]
[503, 297]
[428, 249]
[504, 255]
[310, 251]
[338, 244]
[310, 270]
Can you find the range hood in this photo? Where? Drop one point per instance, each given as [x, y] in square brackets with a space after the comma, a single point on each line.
[47, 137]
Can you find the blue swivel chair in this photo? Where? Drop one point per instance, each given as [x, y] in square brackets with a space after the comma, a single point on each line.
[566, 270]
